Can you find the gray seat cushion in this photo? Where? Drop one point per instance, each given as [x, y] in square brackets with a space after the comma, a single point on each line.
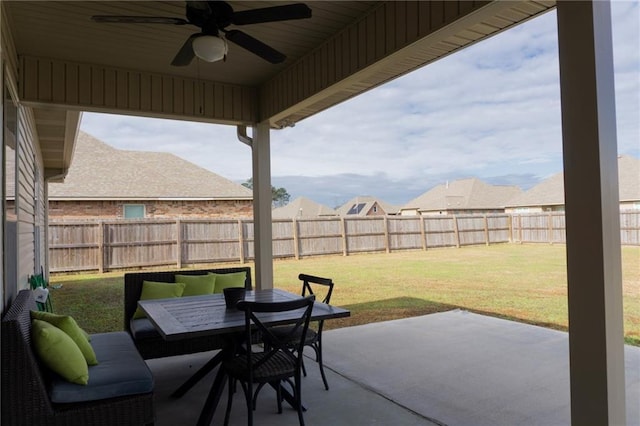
[120, 371]
[142, 328]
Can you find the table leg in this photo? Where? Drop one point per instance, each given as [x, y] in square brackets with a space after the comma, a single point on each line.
[198, 375]
[212, 399]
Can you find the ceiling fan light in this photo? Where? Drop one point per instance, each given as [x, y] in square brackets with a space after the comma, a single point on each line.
[210, 48]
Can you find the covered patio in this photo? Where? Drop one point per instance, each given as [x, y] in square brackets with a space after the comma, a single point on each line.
[450, 368]
[58, 63]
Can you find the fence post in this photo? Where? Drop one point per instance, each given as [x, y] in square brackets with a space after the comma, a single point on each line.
[241, 240]
[510, 225]
[387, 244]
[101, 247]
[423, 232]
[179, 243]
[520, 226]
[343, 232]
[550, 227]
[296, 247]
[455, 230]
[486, 230]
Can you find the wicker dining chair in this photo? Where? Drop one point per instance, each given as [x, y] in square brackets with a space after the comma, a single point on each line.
[314, 335]
[280, 362]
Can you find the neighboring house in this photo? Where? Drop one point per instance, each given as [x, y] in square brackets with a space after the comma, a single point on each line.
[366, 206]
[108, 183]
[465, 196]
[548, 195]
[302, 207]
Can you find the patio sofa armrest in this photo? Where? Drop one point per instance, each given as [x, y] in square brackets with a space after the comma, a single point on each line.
[149, 342]
[32, 395]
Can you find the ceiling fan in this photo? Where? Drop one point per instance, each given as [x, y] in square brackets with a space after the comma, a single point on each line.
[213, 17]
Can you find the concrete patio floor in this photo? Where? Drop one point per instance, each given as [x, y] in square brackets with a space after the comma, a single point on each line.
[453, 368]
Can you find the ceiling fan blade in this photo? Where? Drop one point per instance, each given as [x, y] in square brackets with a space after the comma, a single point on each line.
[120, 19]
[255, 46]
[271, 14]
[186, 54]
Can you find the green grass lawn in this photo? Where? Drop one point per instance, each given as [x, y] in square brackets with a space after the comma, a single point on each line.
[526, 283]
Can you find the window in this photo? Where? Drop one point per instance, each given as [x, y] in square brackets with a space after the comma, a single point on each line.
[133, 211]
[356, 208]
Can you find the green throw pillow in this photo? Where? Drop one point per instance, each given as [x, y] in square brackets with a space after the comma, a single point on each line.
[154, 290]
[71, 327]
[234, 279]
[59, 352]
[196, 285]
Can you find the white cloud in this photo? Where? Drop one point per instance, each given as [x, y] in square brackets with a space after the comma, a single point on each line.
[492, 110]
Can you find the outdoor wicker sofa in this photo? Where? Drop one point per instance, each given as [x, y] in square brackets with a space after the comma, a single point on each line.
[149, 342]
[119, 392]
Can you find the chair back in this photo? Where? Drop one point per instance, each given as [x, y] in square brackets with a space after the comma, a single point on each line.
[258, 313]
[310, 281]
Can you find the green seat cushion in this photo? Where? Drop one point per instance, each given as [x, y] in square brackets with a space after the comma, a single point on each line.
[71, 327]
[155, 290]
[59, 352]
[196, 285]
[233, 279]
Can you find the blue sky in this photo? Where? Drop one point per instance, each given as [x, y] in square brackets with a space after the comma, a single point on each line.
[491, 111]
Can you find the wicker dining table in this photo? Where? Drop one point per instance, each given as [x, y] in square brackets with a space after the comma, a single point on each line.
[203, 316]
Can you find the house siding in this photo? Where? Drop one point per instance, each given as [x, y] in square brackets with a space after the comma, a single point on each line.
[104, 89]
[376, 210]
[29, 205]
[103, 209]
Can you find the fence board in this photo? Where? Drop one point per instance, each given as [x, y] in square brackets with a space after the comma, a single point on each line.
[440, 231]
[405, 233]
[630, 228]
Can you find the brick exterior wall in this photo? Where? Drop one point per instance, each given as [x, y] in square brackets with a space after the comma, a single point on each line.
[106, 210]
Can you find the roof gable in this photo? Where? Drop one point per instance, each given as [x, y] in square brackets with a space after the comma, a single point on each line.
[302, 207]
[463, 194]
[99, 171]
[361, 205]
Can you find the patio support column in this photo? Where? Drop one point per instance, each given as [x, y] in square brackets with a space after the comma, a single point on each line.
[263, 245]
[3, 303]
[596, 345]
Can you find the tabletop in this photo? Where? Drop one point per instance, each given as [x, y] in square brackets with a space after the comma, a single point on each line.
[192, 316]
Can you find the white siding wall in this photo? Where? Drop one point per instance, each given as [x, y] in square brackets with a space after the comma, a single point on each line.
[26, 189]
[24, 250]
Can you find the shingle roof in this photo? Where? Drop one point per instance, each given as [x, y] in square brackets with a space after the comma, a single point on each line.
[550, 192]
[99, 171]
[302, 207]
[347, 209]
[463, 194]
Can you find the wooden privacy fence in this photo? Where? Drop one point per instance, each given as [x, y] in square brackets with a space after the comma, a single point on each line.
[111, 245]
[550, 228]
